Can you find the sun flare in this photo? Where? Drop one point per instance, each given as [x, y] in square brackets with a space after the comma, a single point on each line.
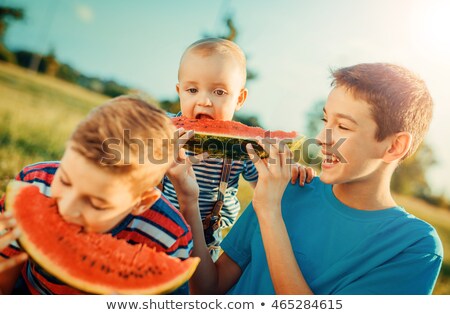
[430, 28]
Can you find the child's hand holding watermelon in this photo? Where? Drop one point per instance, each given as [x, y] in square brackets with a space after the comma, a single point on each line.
[8, 222]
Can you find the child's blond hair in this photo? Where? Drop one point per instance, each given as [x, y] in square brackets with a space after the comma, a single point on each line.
[210, 46]
[125, 134]
[400, 100]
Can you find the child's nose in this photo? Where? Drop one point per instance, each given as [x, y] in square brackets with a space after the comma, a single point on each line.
[325, 137]
[204, 100]
[69, 205]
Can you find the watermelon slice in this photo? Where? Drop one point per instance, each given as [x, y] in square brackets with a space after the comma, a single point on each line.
[91, 262]
[229, 138]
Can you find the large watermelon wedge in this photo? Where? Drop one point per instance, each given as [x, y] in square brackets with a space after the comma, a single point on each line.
[229, 138]
[91, 262]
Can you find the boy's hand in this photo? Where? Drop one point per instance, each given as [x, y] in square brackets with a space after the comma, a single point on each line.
[274, 174]
[7, 222]
[302, 173]
[181, 173]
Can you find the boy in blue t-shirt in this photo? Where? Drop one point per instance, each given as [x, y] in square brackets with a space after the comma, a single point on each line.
[211, 85]
[342, 233]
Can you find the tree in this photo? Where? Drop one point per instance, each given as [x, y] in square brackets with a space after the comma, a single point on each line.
[410, 177]
[232, 36]
[6, 14]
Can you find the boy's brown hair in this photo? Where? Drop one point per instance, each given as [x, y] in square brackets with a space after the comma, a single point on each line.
[125, 134]
[400, 100]
[210, 46]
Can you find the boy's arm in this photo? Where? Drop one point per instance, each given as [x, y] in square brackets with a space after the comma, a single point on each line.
[287, 278]
[209, 278]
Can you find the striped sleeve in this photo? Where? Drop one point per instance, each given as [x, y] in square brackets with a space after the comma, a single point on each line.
[250, 173]
[161, 227]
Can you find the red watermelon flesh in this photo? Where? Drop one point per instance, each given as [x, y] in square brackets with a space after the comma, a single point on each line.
[229, 128]
[91, 262]
[229, 138]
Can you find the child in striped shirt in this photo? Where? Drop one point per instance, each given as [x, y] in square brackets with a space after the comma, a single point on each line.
[104, 188]
[212, 76]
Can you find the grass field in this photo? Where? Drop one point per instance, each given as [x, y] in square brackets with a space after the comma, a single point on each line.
[37, 114]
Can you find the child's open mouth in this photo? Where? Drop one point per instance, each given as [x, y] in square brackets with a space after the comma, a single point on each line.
[330, 160]
[203, 116]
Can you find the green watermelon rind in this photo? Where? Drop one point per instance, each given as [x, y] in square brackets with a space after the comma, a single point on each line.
[63, 274]
[218, 146]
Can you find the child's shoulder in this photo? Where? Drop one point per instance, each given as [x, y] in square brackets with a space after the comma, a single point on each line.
[40, 174]
[164, 214]
[315, 184]
[45, 166]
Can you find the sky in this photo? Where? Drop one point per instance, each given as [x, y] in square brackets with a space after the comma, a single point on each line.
[290, 44]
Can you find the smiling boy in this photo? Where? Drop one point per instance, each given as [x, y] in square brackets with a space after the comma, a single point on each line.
[343, 233]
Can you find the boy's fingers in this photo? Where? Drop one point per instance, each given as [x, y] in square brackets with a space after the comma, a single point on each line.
[294, 177]
[261, 167]
[310, 174]
[302, 175]
[194, 159]
[13, 261]
[7, 223]
[182, 138]
[7, 238]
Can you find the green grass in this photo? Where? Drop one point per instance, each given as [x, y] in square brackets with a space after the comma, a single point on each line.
[38, 113]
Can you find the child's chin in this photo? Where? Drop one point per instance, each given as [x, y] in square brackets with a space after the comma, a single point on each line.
[327, 179]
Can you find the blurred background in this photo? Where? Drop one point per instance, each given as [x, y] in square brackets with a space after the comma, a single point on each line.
[60, 58]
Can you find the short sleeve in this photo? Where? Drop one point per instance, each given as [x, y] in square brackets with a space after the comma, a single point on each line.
[250, 173]
[411, 272]
[237, 243]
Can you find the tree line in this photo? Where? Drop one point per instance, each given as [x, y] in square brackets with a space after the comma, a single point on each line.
[409, 178]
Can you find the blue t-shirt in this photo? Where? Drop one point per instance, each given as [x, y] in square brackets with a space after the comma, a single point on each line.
[340, 250]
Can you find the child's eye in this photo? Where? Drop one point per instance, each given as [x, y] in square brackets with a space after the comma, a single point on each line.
[343, 127]
[62, 181]
[220, 92]
[97, 207]
[192, 90]
[324, 119]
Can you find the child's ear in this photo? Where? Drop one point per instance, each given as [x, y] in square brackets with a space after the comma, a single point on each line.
[399, 147]
[148, 198]
[177, 87]
[241, 99]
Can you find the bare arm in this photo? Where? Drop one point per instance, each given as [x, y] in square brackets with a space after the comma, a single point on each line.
[286, 275]
[210, 277]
